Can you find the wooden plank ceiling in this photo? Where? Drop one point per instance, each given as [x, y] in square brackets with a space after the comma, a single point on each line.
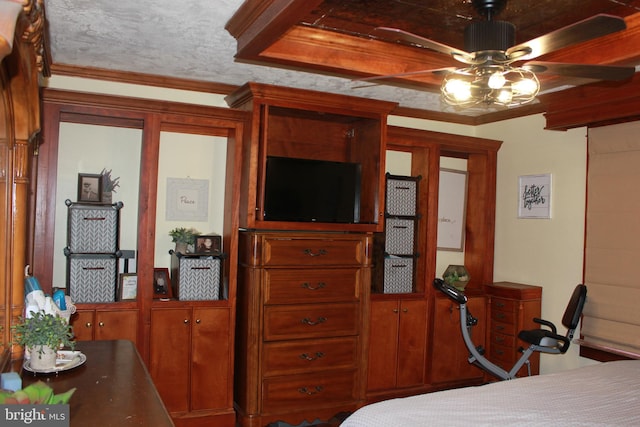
[335, 36]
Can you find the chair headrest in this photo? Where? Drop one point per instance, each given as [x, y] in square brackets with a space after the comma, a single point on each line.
[573, 311]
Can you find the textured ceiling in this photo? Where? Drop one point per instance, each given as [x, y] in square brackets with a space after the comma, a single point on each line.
[181, 38]
[187, 39]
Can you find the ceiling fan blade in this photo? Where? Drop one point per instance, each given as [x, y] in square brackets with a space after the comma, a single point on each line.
[598, 72]
[407, 74]
[397, 34]
[590, 28]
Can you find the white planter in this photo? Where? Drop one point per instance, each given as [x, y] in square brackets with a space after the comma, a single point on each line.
[42, 358]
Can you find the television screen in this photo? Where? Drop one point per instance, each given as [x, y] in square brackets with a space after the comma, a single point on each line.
[305, 190]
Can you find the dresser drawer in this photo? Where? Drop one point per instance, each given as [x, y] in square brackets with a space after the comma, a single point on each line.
[499, 304]
[503, 328]
[308, 390]
[294, 357]
[295, 286]
[310, 321]
[503, 316]
[504, 354]
[312, 252]
[502, 339]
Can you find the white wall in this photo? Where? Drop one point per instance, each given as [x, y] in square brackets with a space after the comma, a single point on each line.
[545, 252]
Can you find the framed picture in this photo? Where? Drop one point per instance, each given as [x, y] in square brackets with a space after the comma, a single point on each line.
[161, 283]
[128, 287]
[208, 244]
[89, 187]
[187, 199]
[534, 196]
[452, 206]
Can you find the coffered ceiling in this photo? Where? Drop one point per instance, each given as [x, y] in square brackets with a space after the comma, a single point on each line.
[317, 44]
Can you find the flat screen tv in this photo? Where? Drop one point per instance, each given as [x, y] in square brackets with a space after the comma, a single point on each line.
[305, 190]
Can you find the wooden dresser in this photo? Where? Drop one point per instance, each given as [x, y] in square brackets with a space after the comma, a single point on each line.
[302, 302]
[513, 307]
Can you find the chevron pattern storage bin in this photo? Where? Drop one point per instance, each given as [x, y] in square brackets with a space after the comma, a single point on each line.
[92, 278]
[402, 196]
[398, 275]
[93, 228]
[399, 237]
[196, 278]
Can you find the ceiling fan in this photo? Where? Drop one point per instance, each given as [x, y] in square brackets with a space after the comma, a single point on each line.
[490, 54]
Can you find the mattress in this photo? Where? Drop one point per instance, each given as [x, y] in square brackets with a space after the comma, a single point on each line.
[606, 394]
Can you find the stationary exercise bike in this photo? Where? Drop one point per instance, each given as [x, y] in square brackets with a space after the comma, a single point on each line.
[541, 340]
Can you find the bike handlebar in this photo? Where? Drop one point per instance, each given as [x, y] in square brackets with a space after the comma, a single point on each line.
[453, 293]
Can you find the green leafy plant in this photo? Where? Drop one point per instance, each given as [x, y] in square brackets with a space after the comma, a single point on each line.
[37, 393]
[43, 329]
[184, 235]
[108, 183]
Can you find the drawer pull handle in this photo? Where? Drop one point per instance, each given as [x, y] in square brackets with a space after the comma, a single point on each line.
[316, 356]
[309, 286]
[400, 187]
[499, 328]
[310, 322]
[93, 268]
[500, 304]
[310, 252]
[499, 339]
[93, 219]
[315, 390]
[400, 226]
[101, 324]
[201, 268]
[500, 315]
[499, 352]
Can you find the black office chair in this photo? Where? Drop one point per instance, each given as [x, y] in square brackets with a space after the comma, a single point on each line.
[548, 340]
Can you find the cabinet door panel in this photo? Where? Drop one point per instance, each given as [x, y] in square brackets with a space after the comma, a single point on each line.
[449, 357]
[114, 325]
[210, 371]
[82, 322]
[170, 355]
[412, 340]
[383, 345]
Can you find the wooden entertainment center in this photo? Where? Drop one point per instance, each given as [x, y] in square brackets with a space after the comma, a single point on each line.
[312, 338]
[300, 333]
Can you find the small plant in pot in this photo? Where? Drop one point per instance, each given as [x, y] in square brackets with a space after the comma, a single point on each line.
[43, 334]
[183, 237]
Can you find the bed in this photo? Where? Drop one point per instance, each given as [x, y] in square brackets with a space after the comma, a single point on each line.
[606, 394]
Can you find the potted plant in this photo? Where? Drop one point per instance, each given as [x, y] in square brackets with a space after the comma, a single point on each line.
[37, 393]
[43, 334]
[109, 185]
[183, 237]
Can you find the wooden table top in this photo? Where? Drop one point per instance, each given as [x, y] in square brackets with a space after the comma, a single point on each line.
[113, 386]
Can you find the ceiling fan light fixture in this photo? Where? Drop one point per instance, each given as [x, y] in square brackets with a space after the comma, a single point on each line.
[486, 84]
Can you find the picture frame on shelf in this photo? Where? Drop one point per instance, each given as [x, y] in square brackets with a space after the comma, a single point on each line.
[208, 244]
[89, 188]
[161, 284]
[128, 287]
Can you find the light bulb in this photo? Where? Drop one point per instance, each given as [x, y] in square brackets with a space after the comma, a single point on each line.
[497, 80]
[525, 86]
[504, 96]
[458, 89]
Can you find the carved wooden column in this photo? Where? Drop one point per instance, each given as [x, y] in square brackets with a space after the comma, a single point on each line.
[20, 124]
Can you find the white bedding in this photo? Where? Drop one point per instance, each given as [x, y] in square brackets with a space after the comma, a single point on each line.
[607, 394]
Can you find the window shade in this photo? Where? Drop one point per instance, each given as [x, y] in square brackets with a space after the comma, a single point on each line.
[612, 246]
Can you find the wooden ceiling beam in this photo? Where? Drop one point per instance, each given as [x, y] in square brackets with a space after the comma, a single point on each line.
[260, 23]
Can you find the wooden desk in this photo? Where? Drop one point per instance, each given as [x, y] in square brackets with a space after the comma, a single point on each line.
[114, 388]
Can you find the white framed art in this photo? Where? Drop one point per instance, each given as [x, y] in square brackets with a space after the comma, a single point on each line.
[534, 196]
[452, 205]
[187, 199]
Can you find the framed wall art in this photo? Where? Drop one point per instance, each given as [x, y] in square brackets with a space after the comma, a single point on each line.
[187, 199]
[534, 196]
[452, 205]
